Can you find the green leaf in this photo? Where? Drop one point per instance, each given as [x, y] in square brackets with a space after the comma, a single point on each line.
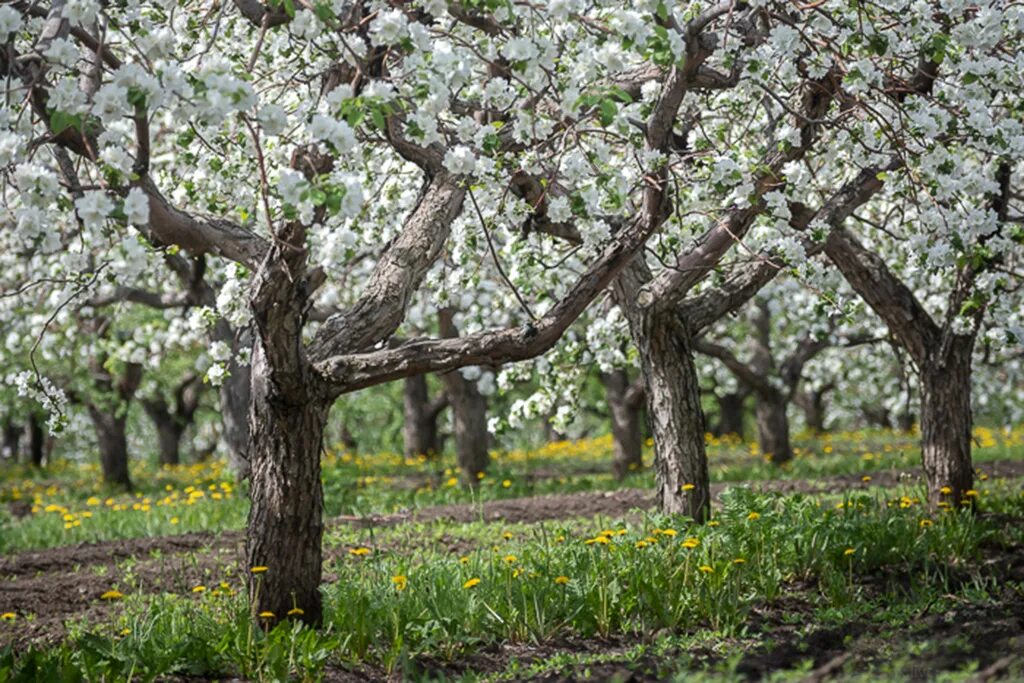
[607, 113]
[60, 121]
[377, 116]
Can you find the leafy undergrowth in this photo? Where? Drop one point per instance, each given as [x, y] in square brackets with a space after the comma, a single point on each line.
[66, 504]
[773, 583]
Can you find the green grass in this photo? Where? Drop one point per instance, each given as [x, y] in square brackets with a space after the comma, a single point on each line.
[649, 579]
[168, 500]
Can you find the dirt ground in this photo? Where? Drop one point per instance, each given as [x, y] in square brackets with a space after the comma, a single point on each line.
[61, 584]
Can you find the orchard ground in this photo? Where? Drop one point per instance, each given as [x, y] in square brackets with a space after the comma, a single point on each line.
[550, 569]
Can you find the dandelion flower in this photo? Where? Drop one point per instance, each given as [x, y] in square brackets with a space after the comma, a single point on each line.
[400, 582]
[463, 560]
[561, 580]
[258, 570]
[706, 569]
[945, 490]
[199, 589]
[8, 616]
[472, 582]
[293, 612]
[691, 543]
[266, 615]
[668, 532]
[754, 516]
[359, 552]
[510, 559]
[112, 595]
[865, 478]
[739, 560]
[688, 487]
[506, 484]
[849, 551]
[970, 493]
[507, 535]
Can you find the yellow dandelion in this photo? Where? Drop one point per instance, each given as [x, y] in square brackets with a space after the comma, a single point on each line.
[561, 580]
[507, 535]
[668, 532]
[199, 589]
[865, 478]
[506, 484]
[849, 551]
[8, 616]
[691, 543]
[359, 552]
[706, 569]
[603, 540]
[688, 487]
[970, 493]
[510, 559]
[112, 595]
[472, 582]
[463, 560]
[400, 582]
[266, 615]
[258, 570]
[739, 560]
[754, 516]
[642, 544]
[945, 490]
[293, 612]
[925, 523]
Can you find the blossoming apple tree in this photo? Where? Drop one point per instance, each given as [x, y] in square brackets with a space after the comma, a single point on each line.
[325, 161]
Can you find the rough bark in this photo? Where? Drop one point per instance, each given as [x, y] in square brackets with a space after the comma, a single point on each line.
[773, 427]
[676, 418]
[285, 526]
[626, 422]
[469, 414]
[946, 424]
[420, 425]
[730, 414]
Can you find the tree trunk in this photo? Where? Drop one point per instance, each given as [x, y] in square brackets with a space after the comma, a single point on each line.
[36, 441]
[12, 440]
[813, 404]
[946, 424]
[112, 441]
[625, 418]
[420, 426]
[730, 414]
[234, 401]
[285, 526]
[673, 407]
[169, 430]
[773, 427]
[469, 412]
